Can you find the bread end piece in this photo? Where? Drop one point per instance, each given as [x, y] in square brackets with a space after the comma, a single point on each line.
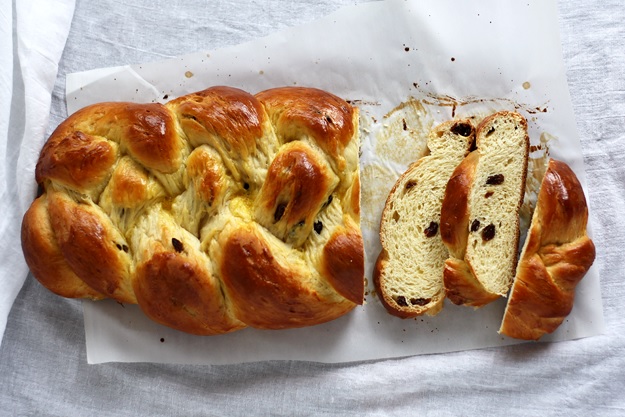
[556, 256]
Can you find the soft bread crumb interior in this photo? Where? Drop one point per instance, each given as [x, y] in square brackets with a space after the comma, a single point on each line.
[411, 219]
[494, 202]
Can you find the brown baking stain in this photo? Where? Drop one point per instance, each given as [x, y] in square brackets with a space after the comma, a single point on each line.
[376, 182]
[536, 110]
[402, 136]
[358, 102]
[445, 100]
[188, 74]
[526, 85]
[369, 289]
[536, 168]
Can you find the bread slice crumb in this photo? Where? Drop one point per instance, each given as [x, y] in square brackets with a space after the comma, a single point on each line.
[408, 272]
[480, 212]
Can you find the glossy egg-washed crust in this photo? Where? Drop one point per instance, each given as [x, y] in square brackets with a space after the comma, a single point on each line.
[216, 211]
[556, 256]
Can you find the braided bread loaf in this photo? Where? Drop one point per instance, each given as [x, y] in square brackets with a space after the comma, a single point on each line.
[555, 257]
[216, 211]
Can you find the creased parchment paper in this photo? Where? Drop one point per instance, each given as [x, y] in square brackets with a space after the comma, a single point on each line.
[408, 65]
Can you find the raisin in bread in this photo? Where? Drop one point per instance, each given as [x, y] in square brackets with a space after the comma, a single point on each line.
[216, 211]
[556, 255]
[408, 272]
[479, 215]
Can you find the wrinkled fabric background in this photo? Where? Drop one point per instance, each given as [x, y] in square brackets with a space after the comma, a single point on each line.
[43, 368]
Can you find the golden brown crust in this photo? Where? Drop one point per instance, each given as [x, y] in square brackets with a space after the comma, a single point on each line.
[44, 258]
[353, 206]
[176, 290]
[297, 186]
[77, 160]
[298, 179]
[455, 208]
[344, 264]
[82, 149]
[149, 135]
[135, 197]
[91, 246]
[225, 117]
[208, 176]
[129, 184]
[556, 256]
[265, 293]
[323, 116]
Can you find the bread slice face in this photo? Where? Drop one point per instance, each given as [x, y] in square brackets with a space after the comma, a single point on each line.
[408, 272]
[556, 255]
[480, 212]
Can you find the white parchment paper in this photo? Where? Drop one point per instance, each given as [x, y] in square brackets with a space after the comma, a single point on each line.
[456, 58]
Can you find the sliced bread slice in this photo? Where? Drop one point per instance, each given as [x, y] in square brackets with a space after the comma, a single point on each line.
[480, 212]
[556, 256]
[408, 272]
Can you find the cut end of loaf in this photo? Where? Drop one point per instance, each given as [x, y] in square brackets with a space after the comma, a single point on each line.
[555, 257]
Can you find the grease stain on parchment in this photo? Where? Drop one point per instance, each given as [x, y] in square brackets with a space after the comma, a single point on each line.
[376, 182]
[399, 139]
[536, 168]
[402, 136]
[443, 100]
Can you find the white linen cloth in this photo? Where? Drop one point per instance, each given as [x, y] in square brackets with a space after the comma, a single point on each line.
[39, 38]
[43, 369]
